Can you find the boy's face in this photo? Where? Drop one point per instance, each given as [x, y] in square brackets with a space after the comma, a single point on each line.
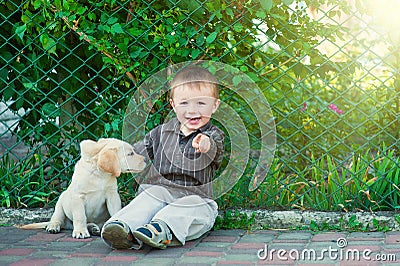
[193, 106]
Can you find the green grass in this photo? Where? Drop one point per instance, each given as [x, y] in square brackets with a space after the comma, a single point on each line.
[234, 220]
[365, 181]
[23, 183]
[5, 225]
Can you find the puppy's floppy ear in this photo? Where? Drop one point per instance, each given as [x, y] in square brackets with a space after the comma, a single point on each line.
[108, 161]
[90, 148]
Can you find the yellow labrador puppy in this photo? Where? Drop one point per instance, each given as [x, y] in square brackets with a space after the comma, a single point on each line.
[92, 197]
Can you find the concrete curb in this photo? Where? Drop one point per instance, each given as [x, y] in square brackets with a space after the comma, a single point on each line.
[299, 219]
[264, 219]
[24, 216]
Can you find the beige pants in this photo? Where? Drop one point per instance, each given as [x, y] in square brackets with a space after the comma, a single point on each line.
[188, 217]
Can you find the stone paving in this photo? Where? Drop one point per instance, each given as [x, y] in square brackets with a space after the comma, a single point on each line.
[220, 247]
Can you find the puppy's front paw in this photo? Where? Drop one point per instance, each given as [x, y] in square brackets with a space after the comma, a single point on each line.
[76, 233]
[53, 228]
[94, 229]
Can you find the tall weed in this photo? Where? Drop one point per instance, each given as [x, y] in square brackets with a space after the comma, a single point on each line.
[23, 183]
[364, 182]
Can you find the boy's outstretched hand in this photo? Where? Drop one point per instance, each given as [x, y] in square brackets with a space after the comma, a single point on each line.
[201, 143]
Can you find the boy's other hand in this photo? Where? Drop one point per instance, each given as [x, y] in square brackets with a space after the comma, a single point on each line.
[201, 143]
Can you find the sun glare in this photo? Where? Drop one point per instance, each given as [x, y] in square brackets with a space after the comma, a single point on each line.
[386, 15]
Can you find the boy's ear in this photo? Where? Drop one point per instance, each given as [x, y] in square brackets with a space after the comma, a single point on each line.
[216, 105]
[171, 102]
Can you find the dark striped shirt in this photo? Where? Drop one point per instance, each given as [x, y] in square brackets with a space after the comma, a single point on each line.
[175, 161]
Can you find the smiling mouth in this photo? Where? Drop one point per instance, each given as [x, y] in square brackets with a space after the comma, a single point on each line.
[194, 120]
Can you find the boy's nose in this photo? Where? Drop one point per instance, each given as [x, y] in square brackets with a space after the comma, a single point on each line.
[192, 111]
[192, 108]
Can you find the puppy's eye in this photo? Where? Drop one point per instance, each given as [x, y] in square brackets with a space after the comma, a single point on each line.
[131, 154]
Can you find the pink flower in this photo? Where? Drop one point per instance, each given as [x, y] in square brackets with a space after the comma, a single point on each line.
[304, 107]
[335, 109]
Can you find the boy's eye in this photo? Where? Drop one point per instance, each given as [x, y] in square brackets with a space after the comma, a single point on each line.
[183, 103]
[201, 103]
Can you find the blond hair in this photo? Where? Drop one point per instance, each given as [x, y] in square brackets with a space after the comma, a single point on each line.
[197, 78]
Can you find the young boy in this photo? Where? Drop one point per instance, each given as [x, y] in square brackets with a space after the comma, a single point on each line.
[174, 202]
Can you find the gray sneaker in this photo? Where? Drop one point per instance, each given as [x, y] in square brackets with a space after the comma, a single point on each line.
[155, 234]
[117, 235]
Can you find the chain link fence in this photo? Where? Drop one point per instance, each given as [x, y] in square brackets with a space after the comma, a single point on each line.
[329, 70]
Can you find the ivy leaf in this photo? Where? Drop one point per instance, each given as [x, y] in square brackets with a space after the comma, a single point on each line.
[195, 53]
[37, 4]
[267, 5]
[19, 103]
[105, 28]
[116, 28]
[210, 38]
[25, 18]
[200, 39]
[92, 16]
[261, 14]
[81, 10]
[135, 31]
[238, 27]
[115, 124]
[112, 20]
[5, 57]
[50, 110]
[9, 91]
[136, 53]
[20, 31]
[229, 11]
[49, 44]
[3, 76]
